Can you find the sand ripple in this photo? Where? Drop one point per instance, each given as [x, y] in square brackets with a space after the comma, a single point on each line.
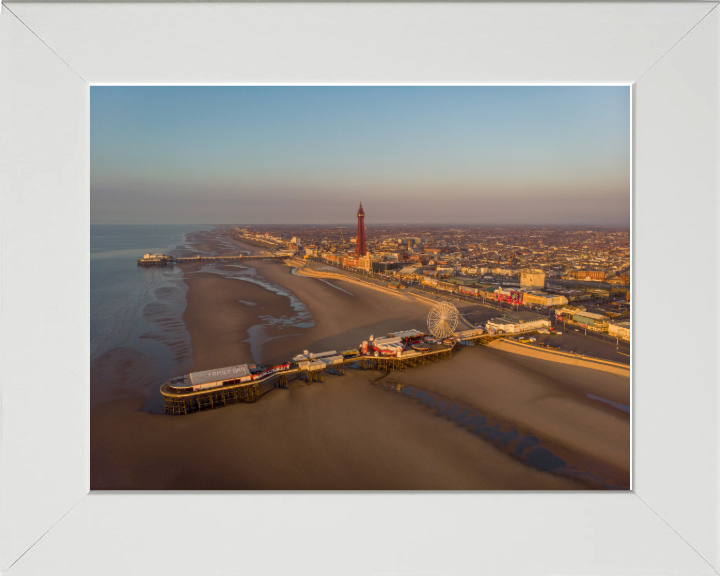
[170, 329]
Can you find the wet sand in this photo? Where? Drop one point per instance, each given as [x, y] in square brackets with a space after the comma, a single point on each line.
[219, 313]
[344, 433]
[342, 320]
[544, 398]
[347, 432]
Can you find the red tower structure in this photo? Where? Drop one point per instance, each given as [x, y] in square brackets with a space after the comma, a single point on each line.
[360, 248]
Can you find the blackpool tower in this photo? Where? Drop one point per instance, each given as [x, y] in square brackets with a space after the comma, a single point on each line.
[360, 249]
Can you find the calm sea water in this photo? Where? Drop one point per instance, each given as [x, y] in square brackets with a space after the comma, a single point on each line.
[120, 289]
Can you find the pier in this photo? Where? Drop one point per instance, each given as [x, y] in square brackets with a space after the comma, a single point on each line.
[233, 393]
[219, 397]
[150, 260]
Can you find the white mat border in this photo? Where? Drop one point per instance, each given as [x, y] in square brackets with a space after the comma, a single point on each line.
[49, 54]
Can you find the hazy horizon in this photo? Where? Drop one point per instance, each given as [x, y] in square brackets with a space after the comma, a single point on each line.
[374, 225]
[273, 156]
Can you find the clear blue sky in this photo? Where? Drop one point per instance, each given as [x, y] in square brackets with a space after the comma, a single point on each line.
[262, 155]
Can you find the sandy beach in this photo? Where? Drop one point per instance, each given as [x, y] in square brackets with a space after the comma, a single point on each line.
[347, 432]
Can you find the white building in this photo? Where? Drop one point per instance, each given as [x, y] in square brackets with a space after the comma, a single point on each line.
[514, 323]
[536, 298]
[620, 330]
[532, 278]
[365, 262]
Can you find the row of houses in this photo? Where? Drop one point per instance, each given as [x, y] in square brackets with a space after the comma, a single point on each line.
[513, 296]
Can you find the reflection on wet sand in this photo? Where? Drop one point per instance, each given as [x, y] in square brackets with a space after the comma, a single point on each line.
[525, 447]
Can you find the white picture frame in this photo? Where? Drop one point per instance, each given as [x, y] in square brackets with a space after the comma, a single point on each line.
[50, 522]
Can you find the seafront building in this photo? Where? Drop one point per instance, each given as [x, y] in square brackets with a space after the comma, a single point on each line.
[537, 298]
[620, 330]
[515, 322]
[585, 319]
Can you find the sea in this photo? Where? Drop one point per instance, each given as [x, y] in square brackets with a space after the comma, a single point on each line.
[136, 307]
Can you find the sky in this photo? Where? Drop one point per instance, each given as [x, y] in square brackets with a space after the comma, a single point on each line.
[482, 155]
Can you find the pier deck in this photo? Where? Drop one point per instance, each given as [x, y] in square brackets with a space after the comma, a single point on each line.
[187, 403]
[172, 260]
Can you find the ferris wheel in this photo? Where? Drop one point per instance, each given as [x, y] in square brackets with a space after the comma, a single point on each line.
[442, 320]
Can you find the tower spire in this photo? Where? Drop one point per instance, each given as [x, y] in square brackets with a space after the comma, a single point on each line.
[360, 248]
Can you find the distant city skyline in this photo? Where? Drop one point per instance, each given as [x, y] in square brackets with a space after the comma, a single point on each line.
[473, 155]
